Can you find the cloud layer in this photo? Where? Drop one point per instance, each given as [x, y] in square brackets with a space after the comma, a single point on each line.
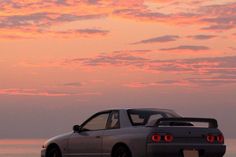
[186, 47]
[208, 70]
[39, 16]
[178, 54]
[159, 39]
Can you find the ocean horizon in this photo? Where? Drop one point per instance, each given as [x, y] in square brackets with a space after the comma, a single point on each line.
[32, 147]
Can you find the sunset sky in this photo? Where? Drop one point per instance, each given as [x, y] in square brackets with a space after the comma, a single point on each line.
[62, 60]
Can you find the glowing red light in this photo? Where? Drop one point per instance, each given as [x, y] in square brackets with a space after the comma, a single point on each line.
[156, 138]
[220, 138]
[168, 138]
[210, 138]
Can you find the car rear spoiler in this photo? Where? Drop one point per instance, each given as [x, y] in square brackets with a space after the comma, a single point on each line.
[212, 123]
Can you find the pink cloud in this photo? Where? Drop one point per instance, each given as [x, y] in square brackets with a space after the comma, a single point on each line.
[34, 18]
[202, 37]
[141, 60]
[30, 92]
[209, 66]
[213, 81]
[159, 39]
[182, 83]
[208, 17]
[79, 33]
[36, 92]
[127, 4]
[30, 33]
[187, 82]
[187, 47]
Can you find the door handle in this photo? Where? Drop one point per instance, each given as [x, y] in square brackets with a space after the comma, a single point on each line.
[98, 136]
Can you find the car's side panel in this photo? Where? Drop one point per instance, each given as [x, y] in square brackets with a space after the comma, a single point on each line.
[133, 138]
[85, 144]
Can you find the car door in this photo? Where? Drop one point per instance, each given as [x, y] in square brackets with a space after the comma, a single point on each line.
[88, 142]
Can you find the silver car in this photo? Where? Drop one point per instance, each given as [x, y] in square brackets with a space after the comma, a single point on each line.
[139, 133]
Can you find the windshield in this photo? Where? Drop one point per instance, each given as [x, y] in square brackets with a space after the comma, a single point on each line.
[142, 117]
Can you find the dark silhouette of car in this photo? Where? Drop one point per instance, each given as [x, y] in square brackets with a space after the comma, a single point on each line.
[139, 133]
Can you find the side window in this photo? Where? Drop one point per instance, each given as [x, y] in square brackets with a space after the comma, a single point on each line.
[154, 117]
[113, 122]
[142, 117]
[98, 122]
[137, 119]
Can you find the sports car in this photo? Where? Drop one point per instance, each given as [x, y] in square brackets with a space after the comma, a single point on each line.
[139, 133]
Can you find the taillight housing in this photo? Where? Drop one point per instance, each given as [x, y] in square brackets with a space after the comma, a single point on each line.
[215, 138]
[168, 138]
[220, 138]
[210, 138]
[162, 137]
[156, 138]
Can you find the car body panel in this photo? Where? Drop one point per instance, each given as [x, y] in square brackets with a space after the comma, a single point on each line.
[61, 141]
[134, 138]
[100, 143]
[176, 150]
[91, 139]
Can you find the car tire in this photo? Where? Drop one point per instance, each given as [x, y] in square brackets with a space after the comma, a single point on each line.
[122, 151]
[54, 152]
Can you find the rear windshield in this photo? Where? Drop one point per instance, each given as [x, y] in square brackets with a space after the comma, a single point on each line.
[142, 117]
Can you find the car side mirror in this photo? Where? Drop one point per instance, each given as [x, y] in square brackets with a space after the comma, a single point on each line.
[76, 128]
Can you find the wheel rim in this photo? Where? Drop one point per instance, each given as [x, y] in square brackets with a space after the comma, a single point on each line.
[54, 153]
[122, 153]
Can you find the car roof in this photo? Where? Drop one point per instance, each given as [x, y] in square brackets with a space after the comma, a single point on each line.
[141, 109]
[169, 111]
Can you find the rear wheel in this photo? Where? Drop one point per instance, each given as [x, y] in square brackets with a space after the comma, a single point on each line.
[54, 152]
[122, 151]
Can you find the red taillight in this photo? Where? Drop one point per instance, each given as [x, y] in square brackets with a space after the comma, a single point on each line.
[162, 138]
[210, 138]
[156, 138]
[220, 138]
[168, 138]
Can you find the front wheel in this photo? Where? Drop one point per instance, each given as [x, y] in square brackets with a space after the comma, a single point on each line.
[122, 152]
[54, 152]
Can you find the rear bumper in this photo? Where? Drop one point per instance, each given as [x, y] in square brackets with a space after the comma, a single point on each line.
[176, 150]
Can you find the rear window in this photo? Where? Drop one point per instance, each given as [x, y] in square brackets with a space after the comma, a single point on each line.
[142, 117]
